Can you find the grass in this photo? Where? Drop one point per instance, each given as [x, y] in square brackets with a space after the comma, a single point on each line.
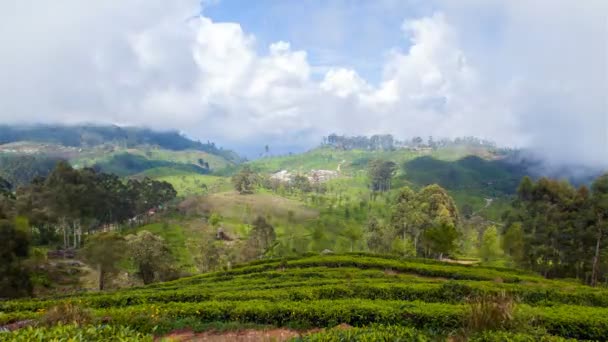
[175, 235]
[188, 183]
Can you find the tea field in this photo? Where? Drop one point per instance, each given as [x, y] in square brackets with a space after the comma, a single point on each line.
[367, 297]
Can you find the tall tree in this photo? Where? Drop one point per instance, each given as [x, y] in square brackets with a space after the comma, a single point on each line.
[14, 248]
[409, 216]
[513, 243]
[261, 237]
[377, 239]
[380, 174]
[599, 191]
[150, 254]
[440, 240]
[490, 247]
[105, 251]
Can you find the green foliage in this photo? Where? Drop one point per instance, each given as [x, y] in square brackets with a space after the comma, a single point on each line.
[70, 199]
[150, 254]
[559, 230]
[73, 332]
[14, 248]
[513, 243]
[245, 181]
[429, 216]
[380, 174]
[372, 333]
[90, 135]
[357, 289]
[104, 251]
[20, 170]
[261, 237]
[126, 164]
[490, 246]
[441, 239]
[491, 178]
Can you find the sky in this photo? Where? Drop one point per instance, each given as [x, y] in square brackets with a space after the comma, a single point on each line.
[525, 74]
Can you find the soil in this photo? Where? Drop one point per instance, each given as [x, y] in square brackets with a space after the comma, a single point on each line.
[248, 335]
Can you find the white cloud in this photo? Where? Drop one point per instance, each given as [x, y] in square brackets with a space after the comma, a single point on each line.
[159, 64]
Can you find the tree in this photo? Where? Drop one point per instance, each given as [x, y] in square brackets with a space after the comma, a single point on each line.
[490, 248]
[151, 255]
[431, 208]
[380, 174]
[408, 216]
[5, 188]
[301, 183]
[513, 243]
[352, 234]
[105, 251]
[261, 237]
[599, 190]
[377, 239]
[440, 240]
[14, 248]
[245, 181]
[210, 254]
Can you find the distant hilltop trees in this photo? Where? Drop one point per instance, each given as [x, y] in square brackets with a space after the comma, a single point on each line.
[95, 135]
[386, 142]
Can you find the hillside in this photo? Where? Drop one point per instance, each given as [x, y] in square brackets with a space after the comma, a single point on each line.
[97, 135]
[371, 297]
[472, 174]
[26, 152]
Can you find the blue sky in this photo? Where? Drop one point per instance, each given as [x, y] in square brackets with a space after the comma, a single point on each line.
[285, 73]
[356, 34]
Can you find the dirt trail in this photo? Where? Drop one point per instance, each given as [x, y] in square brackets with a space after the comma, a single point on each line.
[248, 335]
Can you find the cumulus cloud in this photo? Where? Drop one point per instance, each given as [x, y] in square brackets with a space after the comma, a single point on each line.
[165, 65]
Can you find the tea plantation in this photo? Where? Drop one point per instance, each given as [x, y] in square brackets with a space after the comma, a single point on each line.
[374, 297]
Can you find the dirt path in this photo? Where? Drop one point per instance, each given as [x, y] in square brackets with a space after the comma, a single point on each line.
[248, 335]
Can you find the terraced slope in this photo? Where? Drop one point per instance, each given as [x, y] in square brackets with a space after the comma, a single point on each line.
[385, 296]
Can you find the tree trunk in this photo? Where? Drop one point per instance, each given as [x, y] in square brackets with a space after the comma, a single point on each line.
[74, 232]
[102, 277]
[596, 257]
[404, 249]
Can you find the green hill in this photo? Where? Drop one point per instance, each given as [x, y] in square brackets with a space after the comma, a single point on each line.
[368, 295]
[30, 151]
[493, 178]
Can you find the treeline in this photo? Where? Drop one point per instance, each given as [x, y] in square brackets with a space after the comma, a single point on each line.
[22, 169]
[559, 230]
[68, 203]
[92, 135]
[127, 164]
[386, 142]
[72, 201]
[424, 223]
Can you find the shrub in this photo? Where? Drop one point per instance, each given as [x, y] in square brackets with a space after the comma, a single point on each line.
[74, 332]
[67, 313]
[491, 312]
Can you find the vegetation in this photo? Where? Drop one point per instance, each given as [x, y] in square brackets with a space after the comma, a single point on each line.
[89, 135]
[441, 248]
[558, 230]
[359, 290]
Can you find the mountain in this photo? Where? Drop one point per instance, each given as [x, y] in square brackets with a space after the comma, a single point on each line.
[96, 135]
[30, 151]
